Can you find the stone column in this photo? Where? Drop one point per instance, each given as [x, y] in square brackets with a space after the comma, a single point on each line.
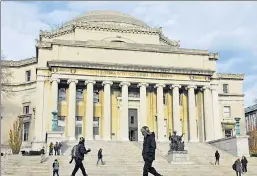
[124, 133]
[216, 117]
[72, 108]
[143, 109]
[160, 112]
[192, 114]
[54, 92]
[107, 109]
[209, 131]
[39, 140]
[176, 109]
[89, 109]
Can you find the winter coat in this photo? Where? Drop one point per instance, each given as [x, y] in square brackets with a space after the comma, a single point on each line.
[100, 155]
[56, 165]
[149, 147]
[244, 162]
[81, 151]
[217, 155]
[238, 166]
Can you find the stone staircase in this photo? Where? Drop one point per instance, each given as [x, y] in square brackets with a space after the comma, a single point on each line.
[124, 159]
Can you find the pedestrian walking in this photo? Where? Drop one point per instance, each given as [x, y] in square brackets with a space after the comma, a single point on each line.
[244, 164]
[42, 151]
[100, 156]
[78, 153]
[217, 158]
[237, 167]
[148, 153]
[56, 167]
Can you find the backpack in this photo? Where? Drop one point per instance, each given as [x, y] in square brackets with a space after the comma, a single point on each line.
[74, 151]
[234, 166]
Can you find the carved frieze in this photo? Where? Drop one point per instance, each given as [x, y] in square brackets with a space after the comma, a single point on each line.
[230, 76]
[214, 56]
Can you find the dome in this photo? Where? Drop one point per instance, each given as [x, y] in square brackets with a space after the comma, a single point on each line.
[103, 16]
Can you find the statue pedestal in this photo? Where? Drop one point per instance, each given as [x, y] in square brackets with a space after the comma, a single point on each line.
[54, 136]
[178, 157]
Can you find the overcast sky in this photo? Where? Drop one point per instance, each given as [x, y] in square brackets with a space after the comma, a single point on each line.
[229, 28]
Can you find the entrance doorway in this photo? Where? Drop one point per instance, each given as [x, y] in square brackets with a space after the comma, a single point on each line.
[133, 124]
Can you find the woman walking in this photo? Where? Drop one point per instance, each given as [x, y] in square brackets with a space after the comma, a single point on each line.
[244, 164]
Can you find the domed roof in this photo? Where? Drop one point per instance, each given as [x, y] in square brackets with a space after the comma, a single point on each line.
[109, 16]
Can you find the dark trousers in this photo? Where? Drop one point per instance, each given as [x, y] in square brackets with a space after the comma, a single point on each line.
[56, 172]
[217, 161]
[148, 168]
[244, 168]
[79, 165]
[238, 173]
[99, 160]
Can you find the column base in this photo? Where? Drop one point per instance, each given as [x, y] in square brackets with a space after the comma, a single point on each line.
[194, 141]
[107, 139]
[125, 139]
[71, 138]
[89, 138]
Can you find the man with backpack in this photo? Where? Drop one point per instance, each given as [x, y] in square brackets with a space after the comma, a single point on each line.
[78, 152]
[56, 167]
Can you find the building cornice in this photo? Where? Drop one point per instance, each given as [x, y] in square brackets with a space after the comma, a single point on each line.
[125, 46]
[231, 95]
[251, 108]
[19, 63]
[128, 67]
[230, 76]
[70, 28]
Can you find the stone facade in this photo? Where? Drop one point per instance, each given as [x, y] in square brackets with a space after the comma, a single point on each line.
[107, 78]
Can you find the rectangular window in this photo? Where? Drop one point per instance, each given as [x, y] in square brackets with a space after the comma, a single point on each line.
[26, 131]
[180, 99]
[62, 94]
[61, 123]
[228, 132]
[28, 75]
[78, 118]
[96, 96]
[226, 112]
[164, 99]
[79, 95]
[132, 120]
[25, 109]
[225, 88]
[96, 126]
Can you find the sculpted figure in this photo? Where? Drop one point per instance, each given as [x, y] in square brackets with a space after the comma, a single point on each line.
[176, 143]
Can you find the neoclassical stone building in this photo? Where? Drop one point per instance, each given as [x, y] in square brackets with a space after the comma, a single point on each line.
[108, 73]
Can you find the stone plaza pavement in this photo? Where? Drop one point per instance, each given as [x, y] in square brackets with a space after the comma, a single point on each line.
[124, 159]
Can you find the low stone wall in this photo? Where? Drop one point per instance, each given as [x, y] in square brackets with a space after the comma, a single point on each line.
[235, 145]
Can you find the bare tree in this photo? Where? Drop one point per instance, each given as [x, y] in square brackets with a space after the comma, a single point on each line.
[5, 77]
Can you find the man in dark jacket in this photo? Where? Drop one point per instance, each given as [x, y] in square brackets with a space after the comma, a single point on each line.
[217, 158]
[79, 157]
[148, 153]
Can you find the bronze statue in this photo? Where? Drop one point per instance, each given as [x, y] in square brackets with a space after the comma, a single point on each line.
[176, 143]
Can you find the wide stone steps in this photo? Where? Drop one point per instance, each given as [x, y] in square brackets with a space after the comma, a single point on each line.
[124, 159]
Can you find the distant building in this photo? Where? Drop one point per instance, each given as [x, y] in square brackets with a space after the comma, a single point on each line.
[251, 118]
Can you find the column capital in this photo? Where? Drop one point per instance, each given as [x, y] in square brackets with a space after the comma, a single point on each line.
[72, 80]
[124, 83]
[143, 84]
[206, 87]
[41, 78]
[55, 79]
[191, 87]
[89, 81]
[159, 85]
[175, 85]
[107, 82]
